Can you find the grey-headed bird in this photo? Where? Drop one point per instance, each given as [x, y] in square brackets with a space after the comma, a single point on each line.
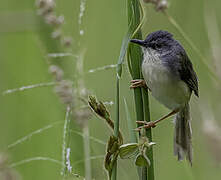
[168, 73]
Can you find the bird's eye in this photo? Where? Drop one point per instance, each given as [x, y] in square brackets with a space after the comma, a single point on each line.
[157, 46]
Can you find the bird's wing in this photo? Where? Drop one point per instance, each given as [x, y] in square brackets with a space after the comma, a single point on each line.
[178, 62]
[188, 75]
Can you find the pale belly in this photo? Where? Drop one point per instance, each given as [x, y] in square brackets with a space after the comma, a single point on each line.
[167, 89]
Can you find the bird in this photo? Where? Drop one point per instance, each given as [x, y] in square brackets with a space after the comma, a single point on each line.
[169, 75]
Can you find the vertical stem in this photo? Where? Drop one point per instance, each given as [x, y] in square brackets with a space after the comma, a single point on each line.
[85, 129]
[65, 141]
[87, 162]
[148, 134]
[135, 61]
[140, 96]
[116, 126]
[114, 172]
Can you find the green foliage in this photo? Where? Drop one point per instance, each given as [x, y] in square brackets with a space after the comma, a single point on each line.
[128, 150]
[142, 160]
[25, 41]
[111, 156]
[140, 96]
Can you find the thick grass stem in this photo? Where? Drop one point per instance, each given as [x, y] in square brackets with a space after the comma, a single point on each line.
[140, 96]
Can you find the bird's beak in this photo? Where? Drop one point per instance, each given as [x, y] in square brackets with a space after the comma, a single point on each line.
[138, 41]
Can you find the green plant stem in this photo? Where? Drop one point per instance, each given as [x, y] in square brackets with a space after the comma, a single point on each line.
[116, 123]
[87, 163]
[140, 96]
[116, 126]
[148, 134]
[65, 141]
[114, 172]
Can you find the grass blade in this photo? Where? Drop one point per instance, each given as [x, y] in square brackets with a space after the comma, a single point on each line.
[123, 50]
[132, 133]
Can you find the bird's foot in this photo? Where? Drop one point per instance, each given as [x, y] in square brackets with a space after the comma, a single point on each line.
[137, 83]
[152, 124]
[145, 125]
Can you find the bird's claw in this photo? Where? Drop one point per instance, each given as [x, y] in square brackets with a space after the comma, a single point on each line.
[146, 125]
[137, 83]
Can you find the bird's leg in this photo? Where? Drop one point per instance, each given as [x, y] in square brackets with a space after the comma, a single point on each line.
[138, 83]
[152, 124]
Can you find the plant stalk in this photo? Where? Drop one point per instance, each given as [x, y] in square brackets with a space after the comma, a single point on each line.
[140, 95]
[87, 163]
[116, 126]
[148, 134]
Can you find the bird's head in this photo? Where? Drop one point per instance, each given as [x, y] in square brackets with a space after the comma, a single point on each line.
[159, 41]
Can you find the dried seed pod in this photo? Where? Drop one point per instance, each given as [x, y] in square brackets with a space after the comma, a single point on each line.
[60, 20]
[6, 172]
[51, 19]
[57, 72]
[41, 3]
[64, 91]
[67, 41]
[82, 116]
[45, 6]
[162, 5]
[56, 34]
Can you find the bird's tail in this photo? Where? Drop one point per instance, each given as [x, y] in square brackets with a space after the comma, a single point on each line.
[183, 135]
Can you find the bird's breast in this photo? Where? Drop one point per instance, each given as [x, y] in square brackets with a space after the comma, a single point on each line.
[165, 86]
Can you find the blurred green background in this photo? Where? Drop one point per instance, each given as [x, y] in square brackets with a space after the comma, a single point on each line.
[23, 62]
